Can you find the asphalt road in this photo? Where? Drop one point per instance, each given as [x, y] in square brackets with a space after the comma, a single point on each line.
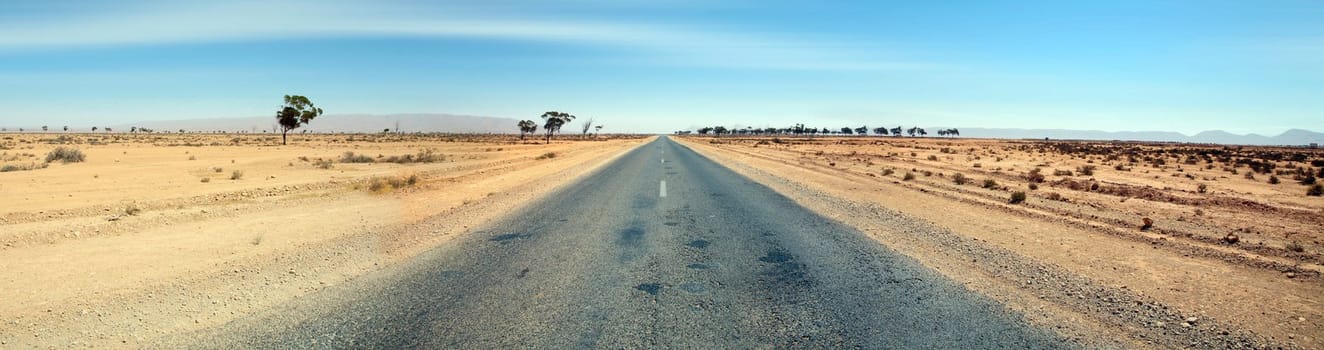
[708, 259]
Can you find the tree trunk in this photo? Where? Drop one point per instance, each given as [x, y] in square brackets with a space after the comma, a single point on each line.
[283, 140]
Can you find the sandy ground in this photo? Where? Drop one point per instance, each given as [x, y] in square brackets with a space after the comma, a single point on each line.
[1079, 263]
[154, 234]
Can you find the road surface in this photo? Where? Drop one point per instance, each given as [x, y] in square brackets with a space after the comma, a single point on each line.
[663, 248]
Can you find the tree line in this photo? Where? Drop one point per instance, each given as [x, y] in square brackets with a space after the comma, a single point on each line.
[298, 111]
[552, 123]
[800, 129]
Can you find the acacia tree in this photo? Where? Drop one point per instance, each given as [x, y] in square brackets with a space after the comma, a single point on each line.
[597, 130]
[862, 130]
[298, 111]
[527, 127]
[882, 130]
[553, 122]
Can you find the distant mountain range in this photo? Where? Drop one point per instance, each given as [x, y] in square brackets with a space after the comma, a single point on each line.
[1293, 137]
[356, 123]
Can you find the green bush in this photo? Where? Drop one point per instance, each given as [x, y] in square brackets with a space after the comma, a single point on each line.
[1316, 190]
[909, 176]
[989, 183]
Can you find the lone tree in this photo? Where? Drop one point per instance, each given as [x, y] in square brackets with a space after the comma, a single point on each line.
[527, 127]
[298, 111]
[554, 121]
[587, 125]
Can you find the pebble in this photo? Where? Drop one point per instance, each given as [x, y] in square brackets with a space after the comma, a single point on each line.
[1192, 320]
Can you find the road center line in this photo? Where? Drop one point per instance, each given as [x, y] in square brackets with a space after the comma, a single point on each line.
[662, 191]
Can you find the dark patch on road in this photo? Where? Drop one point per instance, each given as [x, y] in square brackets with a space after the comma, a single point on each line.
[776, 257]
[523, 273]
[650, 288]
[693, 288]
[698, 243]
[503, 238]
[632, 236]
[643, 202]
[670, 223]
[785, 270]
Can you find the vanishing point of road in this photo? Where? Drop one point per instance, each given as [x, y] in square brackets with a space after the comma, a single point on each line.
[662, 248]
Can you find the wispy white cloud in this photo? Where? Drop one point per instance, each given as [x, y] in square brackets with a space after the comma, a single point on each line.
[668, 43]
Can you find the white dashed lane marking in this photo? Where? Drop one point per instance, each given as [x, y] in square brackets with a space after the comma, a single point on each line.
[662, 191]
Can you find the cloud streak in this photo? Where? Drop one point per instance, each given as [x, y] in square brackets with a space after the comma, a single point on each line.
[172, 24]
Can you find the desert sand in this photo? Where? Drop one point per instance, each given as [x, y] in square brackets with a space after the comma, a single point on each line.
[159, 234]
[1240, 255]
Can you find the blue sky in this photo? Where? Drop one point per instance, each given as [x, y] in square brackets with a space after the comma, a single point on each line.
[658, 66]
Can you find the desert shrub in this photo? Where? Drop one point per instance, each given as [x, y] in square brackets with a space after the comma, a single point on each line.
[65, 155]
[1202, 188]
[960, 179]
[909, 176]
[928, 173]
[1294, 246]
[1062, 173]
[236, 175]
[933, 157]
[387, 183]
[1308, 180]
[548, 155]
[218, 170]
[1273, 180]
[350, 157]
[132, 209]
[1053, 196]
[1016, 197]
[323, 164]
[1034, 176]
[989, 183]
[888, 171]
[1085, 170]
[1316, 190]
[18, 167]
[206, 180]
[1034, 186]
[1250, 175]
[424, 156]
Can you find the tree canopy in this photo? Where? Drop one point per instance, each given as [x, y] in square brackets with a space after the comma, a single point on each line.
[298, 111]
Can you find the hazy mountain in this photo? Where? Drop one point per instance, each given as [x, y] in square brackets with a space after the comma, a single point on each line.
[1293, 137]
[369, 123]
